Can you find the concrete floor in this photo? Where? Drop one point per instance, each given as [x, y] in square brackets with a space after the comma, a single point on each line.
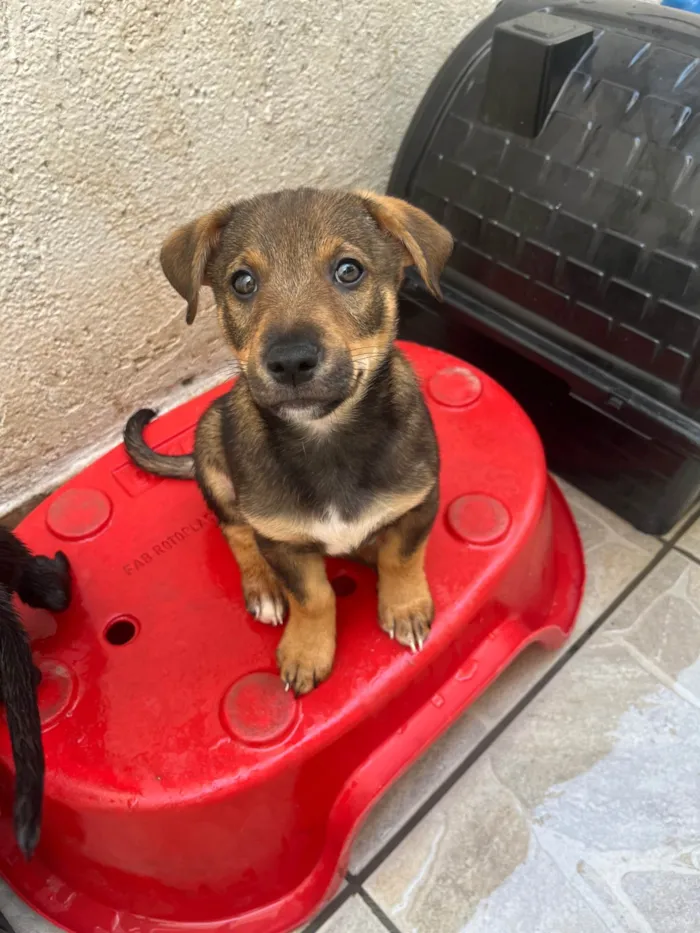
[567, 800]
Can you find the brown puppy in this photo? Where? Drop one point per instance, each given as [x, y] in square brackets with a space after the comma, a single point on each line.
[324, 445]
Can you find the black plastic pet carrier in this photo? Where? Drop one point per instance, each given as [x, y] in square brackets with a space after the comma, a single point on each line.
[561, 147]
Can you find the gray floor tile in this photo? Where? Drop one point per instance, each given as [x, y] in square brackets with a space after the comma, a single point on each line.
[661, 621]
[669, 901]
[583, 816]
[474, 843]
[403, 799]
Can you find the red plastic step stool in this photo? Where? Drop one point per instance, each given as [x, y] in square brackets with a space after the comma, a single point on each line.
[186, 791]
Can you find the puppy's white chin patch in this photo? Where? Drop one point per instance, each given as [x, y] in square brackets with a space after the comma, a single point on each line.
[299, 413]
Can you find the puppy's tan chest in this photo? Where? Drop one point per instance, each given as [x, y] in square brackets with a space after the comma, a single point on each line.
[334, 534]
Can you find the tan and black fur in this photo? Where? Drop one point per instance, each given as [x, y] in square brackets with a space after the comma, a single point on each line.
[324, 445]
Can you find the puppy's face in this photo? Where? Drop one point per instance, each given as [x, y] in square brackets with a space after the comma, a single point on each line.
[305, 284]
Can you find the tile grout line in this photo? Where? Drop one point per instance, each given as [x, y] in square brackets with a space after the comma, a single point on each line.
[352, 889]
[332, 908]
[666, 547]
[695, 558]
[692, 516]
[372, 905]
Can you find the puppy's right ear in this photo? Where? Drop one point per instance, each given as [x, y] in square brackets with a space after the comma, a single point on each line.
[186, 253]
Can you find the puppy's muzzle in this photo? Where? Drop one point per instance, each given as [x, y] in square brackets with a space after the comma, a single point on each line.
[293, 362]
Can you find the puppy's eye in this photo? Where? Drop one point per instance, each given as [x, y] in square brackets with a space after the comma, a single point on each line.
[244, 283]
[348, 272]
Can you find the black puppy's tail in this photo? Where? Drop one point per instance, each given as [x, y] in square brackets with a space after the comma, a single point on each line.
[179, 466]
[17, 683]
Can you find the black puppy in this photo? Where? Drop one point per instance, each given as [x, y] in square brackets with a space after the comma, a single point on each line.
[42, 583]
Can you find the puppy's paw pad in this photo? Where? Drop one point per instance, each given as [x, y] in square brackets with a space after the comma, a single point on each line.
[409, 624]
[303, 667]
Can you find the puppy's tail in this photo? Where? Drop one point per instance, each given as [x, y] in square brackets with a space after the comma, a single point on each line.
[180, 466]
[17, 684]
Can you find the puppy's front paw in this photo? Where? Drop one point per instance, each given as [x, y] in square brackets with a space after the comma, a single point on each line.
[409, 623]
[268, 606]
[264, 598]
[305, 659]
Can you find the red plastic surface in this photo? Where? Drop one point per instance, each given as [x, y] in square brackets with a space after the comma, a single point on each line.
[185, 790]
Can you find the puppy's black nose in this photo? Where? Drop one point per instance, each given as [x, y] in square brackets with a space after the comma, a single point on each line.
[291, 361]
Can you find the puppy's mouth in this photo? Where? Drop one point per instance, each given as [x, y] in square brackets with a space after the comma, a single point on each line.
[313, 409]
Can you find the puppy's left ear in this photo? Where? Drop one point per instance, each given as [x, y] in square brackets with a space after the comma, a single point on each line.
[186, 253]
[427, 244]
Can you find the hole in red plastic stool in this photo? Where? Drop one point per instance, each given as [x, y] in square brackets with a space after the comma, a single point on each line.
[120, 631]
[343, 585]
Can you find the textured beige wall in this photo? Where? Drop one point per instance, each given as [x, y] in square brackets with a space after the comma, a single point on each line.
[122, 118]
